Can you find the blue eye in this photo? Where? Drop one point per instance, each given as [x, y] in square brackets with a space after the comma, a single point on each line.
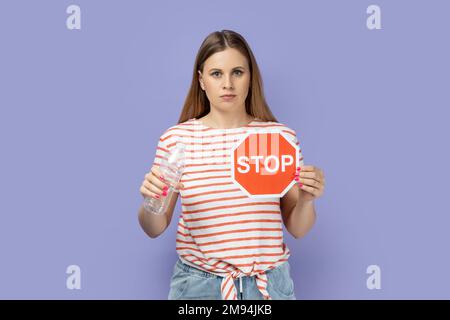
[238, 72]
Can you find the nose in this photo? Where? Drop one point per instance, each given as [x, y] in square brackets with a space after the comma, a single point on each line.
[227, 83]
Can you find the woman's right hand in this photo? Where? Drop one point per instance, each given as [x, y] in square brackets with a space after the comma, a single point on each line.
[154, 185]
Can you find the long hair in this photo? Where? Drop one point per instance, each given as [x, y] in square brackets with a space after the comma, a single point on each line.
[197, 104]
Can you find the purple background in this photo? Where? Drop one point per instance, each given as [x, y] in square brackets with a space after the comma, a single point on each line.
[82, 111]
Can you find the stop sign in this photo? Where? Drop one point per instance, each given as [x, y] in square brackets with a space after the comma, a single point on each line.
[263, 163]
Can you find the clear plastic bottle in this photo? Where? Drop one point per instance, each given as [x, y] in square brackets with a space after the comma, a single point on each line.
[171, 169]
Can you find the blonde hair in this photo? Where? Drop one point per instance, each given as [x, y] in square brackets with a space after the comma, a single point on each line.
[197, 104]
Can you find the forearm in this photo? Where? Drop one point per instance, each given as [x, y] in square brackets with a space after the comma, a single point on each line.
[301, 218]
[152, 224]
[155, 224]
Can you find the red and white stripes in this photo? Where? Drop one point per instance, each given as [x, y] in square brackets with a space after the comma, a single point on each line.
[221, 230]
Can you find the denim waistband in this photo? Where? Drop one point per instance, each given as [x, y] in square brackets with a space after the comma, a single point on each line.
[193, 270]
[187, 268]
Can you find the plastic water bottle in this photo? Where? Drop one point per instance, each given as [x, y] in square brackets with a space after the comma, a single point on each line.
[171, 169]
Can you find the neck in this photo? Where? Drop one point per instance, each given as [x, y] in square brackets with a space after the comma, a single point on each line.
[223, 120]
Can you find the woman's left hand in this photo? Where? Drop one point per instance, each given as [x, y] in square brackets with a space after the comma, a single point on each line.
[311, 181]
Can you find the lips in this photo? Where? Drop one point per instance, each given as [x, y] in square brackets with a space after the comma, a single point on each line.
[228, 97]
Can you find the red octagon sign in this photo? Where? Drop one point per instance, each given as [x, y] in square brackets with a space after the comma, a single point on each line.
[263, 163]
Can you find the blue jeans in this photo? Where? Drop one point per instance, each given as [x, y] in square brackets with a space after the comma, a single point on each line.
[189, 283]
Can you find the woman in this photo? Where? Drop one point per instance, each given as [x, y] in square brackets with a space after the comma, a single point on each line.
[227, 240]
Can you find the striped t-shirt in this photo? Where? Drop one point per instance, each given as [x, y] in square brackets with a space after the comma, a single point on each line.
[221, 230]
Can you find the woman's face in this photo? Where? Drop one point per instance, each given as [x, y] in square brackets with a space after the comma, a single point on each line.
[226, 73]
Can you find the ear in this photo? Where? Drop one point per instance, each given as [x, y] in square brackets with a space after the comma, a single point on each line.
[200, 79]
